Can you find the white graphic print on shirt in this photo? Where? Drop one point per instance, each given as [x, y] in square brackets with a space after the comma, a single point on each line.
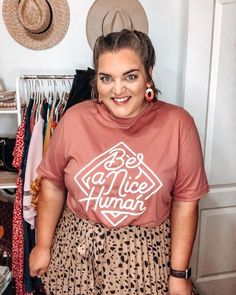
[117, 183]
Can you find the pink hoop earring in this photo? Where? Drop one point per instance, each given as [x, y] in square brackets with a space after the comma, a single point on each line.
[149, 93]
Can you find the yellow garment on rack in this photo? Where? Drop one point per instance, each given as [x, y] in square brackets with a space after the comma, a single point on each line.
[49, 131]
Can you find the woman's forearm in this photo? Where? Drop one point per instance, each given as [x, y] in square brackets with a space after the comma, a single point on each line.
[184, 218]
[50, 205]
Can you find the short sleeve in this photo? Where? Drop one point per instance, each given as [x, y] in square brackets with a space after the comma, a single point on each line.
[54, 161]
[191, 182]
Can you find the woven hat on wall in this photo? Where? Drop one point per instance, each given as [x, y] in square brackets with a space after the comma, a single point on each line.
[106, 16]
[36, 24]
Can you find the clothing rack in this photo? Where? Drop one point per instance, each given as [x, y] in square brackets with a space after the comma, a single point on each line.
[52, 87]
[34, 77]
[47, 77]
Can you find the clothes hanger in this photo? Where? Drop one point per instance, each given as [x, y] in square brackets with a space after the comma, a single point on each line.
[41, 96]
[66, 96]
[58, 104]
[30, 88]
[49, 97]
[62, 101]
[56, 95]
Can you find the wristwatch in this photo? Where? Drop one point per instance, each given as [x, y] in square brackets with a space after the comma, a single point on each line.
[185, 274]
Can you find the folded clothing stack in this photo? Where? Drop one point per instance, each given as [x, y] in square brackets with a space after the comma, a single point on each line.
[7, 99]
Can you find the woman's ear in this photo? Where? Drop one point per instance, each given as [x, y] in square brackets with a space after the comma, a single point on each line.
[150, 71]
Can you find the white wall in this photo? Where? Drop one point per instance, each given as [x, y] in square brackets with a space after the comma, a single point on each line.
[167, 29]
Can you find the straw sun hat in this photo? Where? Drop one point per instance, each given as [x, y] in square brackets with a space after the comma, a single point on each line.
[36, 24]
[106, 16]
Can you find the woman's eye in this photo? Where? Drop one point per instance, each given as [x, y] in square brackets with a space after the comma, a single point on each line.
[105, 79]
[131, 77]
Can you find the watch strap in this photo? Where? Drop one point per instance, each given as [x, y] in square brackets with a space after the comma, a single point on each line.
[185, 274]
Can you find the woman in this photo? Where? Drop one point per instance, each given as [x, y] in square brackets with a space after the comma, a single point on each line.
[132, 166]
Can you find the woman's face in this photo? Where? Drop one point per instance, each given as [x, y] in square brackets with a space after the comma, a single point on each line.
[121, 83]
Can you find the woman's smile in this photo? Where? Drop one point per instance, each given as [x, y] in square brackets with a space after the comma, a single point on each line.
[121, 100]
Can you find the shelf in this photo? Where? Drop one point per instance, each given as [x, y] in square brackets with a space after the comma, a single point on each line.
[8, 111]
[7, 179]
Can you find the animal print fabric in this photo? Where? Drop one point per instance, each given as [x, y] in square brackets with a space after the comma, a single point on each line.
[90, 259]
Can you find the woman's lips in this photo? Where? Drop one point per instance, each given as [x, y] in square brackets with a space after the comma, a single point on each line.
[121, 100]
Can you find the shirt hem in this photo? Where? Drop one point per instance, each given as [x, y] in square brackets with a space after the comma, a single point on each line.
[193, 197]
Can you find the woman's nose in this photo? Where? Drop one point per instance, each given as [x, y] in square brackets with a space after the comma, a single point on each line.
[118, 88]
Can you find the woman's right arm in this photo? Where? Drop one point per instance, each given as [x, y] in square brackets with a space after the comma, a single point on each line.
[50, 204]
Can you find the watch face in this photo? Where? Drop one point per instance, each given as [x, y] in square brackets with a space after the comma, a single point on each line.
[188, 273]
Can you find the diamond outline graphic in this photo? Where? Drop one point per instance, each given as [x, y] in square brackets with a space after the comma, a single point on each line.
[83, 182]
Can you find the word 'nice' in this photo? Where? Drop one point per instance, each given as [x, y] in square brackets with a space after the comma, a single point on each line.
[119, 184]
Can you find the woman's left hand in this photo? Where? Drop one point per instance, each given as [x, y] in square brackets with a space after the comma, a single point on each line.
[180, 286]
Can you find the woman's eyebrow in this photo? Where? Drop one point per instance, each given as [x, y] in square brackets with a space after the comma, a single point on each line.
[104, 74]
[125, 73]
[130, 71]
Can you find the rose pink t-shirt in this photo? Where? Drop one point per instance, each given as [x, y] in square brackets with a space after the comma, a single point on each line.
[125, 171]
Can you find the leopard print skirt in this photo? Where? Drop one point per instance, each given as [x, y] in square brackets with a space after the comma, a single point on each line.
[90, 259]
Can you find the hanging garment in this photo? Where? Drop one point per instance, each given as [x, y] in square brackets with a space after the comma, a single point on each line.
[32, 117]
[18, 230]
[49, 129]
[29, 235]
[34, 158]
[81, 88]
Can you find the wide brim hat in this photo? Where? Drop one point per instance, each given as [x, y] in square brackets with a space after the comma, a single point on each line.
[107, 16]
[36, 24]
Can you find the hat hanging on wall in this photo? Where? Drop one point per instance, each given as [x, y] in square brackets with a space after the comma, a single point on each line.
[106, 16]
[36, 24]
